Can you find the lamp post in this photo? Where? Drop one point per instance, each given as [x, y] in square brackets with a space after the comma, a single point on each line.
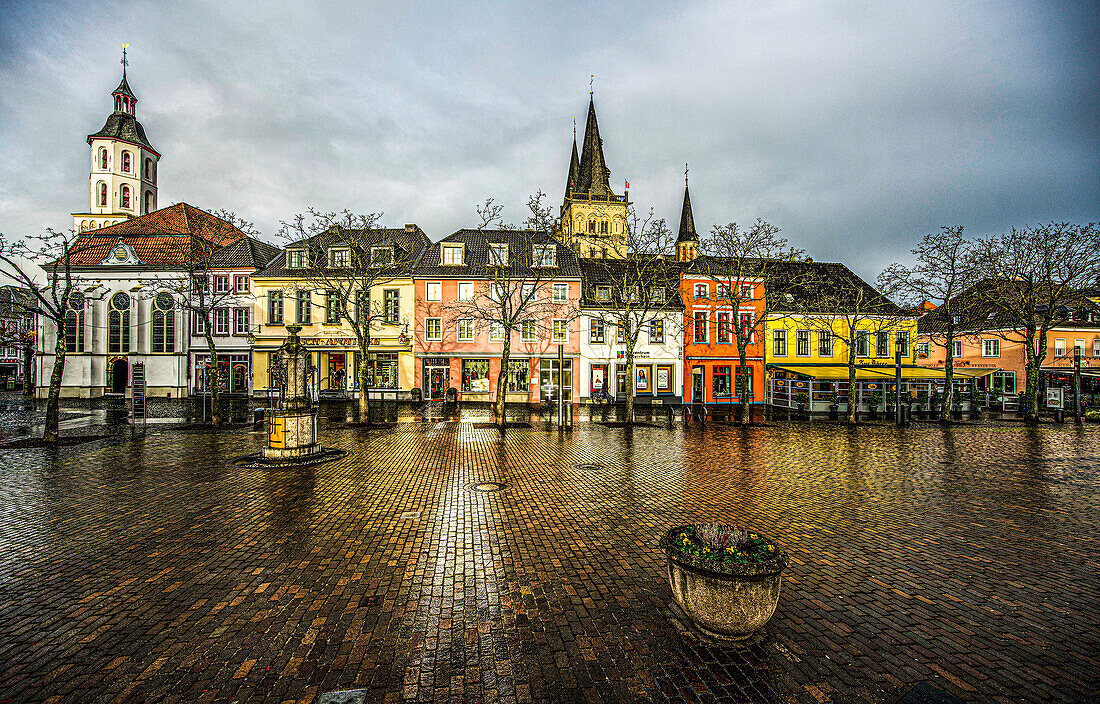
[1077, 418]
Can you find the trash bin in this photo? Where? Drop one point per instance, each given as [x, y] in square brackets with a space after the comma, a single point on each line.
[257, 418]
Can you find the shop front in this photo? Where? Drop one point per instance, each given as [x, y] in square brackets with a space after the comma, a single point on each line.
[233, 376]
[655, 381]
[718, 381]
[437, 378]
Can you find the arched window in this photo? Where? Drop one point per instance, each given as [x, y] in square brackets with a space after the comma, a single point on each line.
[148, 201]
[102, 158]
[148, 169]
[102, 194]
[125, 196]
[126, 161]
[164, 323]
[74, 323]
[118, 324]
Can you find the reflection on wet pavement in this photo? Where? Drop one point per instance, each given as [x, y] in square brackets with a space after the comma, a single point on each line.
[147, 568]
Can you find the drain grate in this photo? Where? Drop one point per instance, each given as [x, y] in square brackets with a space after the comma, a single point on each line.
[591, 467]
[486, 487]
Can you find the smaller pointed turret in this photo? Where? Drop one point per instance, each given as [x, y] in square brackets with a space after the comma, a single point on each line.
[687, 241]
[125, 100]
[574, 168]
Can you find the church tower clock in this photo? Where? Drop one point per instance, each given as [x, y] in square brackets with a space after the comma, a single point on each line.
[122, 183]
[593, 218]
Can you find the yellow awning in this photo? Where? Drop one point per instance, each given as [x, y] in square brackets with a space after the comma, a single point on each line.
[863, 373]
[839, 373]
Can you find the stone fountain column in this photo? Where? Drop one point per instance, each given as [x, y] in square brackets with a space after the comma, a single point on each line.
[292, 431]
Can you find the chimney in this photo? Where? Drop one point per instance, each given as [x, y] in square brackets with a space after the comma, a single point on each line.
[411, 228]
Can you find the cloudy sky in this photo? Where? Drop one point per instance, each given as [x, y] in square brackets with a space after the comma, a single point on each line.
[856, 127]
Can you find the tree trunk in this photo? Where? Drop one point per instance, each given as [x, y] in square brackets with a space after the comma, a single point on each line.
[630, 387]
[502, 382]
[1034, 361]
[212, 380]
[743, 378]
[949, 376]
[853, 396]
[363, 373]
[28, 370]
[50, 432]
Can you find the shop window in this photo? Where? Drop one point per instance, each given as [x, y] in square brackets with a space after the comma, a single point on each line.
[516, 380]
[721, 381]
[475, 376]
[743, 391]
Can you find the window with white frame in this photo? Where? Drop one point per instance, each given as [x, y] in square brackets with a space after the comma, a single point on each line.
[433, 329]
[723, 292]
[496, 332]
[882, 344]
[466, 291]
[221, 283]
[603, 293]
[527, 330]
[956, 349]
[560, 331]
[434, 291]
[452, 255]
[725, 328]
[657, 332]
[991, 348]
[527, 292]
[923, 348]
[544, 255]
[1096, 347]
[622, 331]
[221, 321]
[824, 344]
[701, 323]
[863, 343]
[198, 323]
[296, 259]
[498, 254]
[242, 284]
[381, 256]
[240, 321]
[746, 322]
[465, 330]
[333, 307]
[746, 292]
[1060, 347]
[305, 307]
[700, 290]
[596, 331]
[802, 343]
[561, 293]
[339, 257]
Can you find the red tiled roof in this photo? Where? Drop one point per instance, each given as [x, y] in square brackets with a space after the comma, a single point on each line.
[153, 251]
[178, 219]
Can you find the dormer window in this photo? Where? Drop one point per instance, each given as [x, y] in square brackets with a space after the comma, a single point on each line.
[544, 255]
[296, 259]
[451, 255]
[700, 290]
[339, 257]
[498, 254]
[657, 295]
[381, 256]
[603, 293]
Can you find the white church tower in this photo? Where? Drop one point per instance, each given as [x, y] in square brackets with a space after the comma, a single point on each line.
[123, 180]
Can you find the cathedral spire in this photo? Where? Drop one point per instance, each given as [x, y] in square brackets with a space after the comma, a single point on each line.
[593, 169]
[573, 182]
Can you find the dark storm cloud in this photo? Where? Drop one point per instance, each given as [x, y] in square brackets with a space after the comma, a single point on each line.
[856, 127]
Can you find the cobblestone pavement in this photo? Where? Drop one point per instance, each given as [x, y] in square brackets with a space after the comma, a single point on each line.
[150, 569]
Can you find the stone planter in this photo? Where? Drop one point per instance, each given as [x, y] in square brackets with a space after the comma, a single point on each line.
[730, 601]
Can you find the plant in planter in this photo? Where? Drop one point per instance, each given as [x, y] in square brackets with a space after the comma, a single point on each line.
[874, 402]
[725, 579]
[802, 398]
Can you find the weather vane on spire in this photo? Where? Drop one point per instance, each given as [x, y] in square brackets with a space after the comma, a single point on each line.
[591, 78]
[124, 61]
[574, 128]
[685, 173]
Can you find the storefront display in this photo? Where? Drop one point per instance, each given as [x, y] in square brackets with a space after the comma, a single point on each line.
[475, 376]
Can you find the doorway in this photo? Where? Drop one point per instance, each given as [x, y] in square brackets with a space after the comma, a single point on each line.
[120, 375]
[437, 374]
[697, 394]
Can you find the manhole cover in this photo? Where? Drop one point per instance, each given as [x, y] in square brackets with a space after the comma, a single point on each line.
[591, 467]
[486, 486]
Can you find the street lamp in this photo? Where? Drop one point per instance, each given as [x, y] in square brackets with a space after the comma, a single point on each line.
[1077, 418]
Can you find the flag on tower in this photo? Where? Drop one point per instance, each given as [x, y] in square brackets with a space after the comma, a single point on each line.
[628, 185]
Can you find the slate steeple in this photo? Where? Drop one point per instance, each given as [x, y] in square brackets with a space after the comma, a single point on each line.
[593, 168]
[573, 182]
[687, 241]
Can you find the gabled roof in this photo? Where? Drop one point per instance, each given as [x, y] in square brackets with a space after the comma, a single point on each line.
[178, 219]
[597, 272]
[244, 252]
[812, 287]
[593, 168]
[125, 127]
[410, 243]
[978, 310]
[476, 255]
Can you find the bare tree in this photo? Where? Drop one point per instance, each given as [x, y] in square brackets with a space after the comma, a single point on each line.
[833, 301]
[739, 259]
[192, 265]
[43, 264]
[943, 270]
[346, 255]
[643, 287]
[1034, 276]
[515, 282]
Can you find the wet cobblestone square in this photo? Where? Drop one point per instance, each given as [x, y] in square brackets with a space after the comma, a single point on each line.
[148, 569]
